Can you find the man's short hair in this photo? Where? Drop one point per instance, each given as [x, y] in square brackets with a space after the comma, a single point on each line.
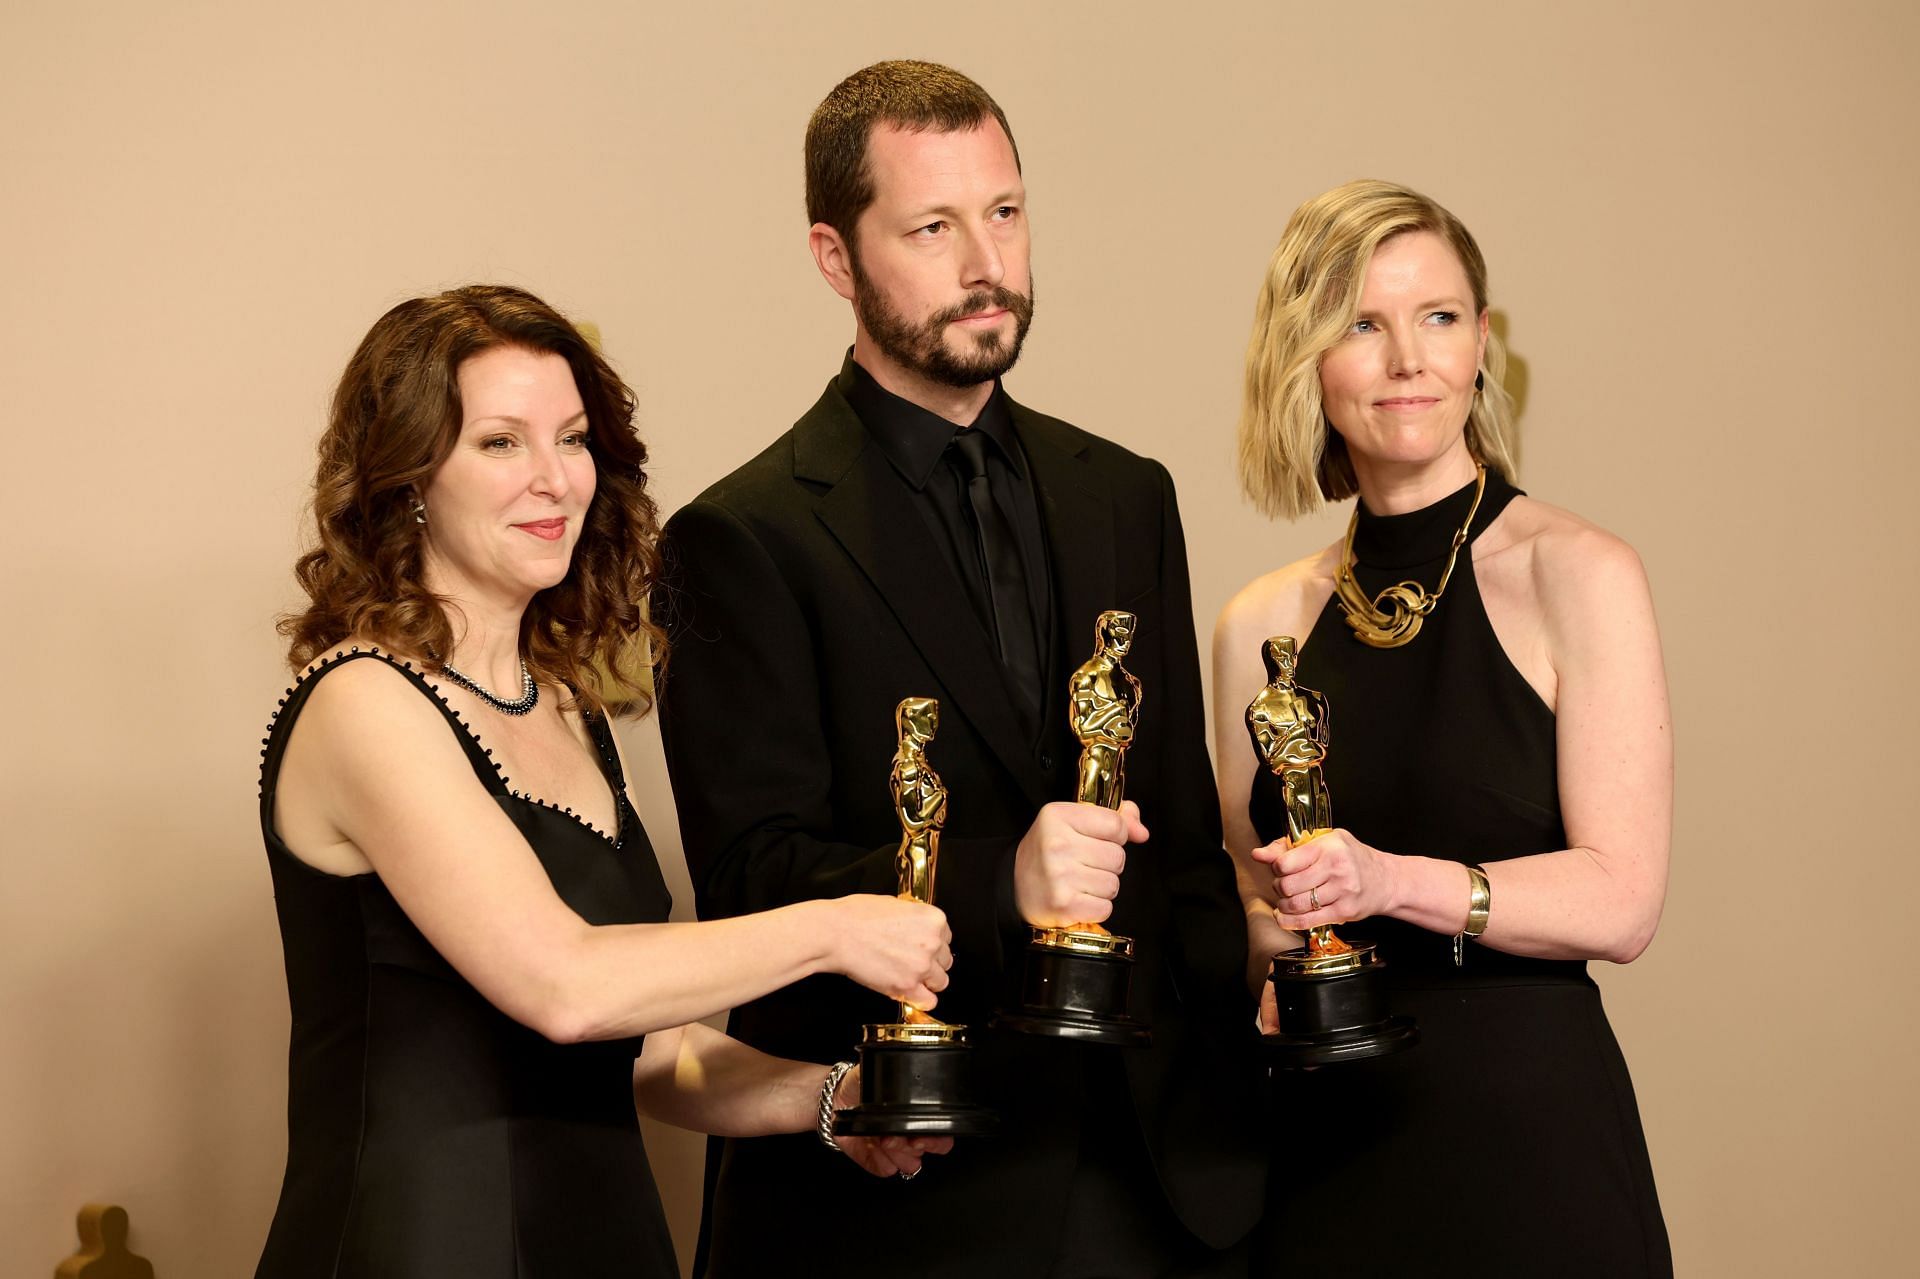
[915, 96]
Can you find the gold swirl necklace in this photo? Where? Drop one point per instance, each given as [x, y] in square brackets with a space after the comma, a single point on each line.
[1393, 617]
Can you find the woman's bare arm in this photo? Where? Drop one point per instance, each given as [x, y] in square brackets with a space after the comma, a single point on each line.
[1588, 605]
[399, 789]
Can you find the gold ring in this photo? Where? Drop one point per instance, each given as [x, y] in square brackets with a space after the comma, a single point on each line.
[1313, 895]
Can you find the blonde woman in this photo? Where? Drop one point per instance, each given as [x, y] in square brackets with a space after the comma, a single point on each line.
[1500, 769]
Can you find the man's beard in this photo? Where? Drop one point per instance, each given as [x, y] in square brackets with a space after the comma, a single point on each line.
[923, 347]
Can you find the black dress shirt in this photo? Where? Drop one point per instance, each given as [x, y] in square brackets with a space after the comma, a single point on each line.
[915, 442]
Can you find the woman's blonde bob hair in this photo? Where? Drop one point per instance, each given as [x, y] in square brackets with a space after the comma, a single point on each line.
[1290, 459]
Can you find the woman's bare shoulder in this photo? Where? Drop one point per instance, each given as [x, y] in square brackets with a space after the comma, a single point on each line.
[365, 692]
[365, 741]
[1283, 602]
[1576, 569]
[1554, 540]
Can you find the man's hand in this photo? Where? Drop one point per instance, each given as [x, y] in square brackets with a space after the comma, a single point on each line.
[1067, 868]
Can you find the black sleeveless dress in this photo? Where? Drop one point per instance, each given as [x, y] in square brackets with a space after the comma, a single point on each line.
[1508, 1141]
[429, 1134]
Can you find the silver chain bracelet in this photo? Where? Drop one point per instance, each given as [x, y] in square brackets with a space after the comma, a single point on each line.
[827, 1090]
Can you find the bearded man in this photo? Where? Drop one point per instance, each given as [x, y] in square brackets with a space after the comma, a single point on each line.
[917, 533]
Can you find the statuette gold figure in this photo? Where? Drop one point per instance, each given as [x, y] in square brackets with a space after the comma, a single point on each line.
[1078, 979]
[920, 802]
[915, 1071]
[1104, 710]
[1330, 998]
[1288, 725]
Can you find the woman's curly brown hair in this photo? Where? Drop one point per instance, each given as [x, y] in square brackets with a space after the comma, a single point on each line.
[396, 417]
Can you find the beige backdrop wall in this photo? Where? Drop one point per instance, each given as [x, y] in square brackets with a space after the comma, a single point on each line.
[1701, 225]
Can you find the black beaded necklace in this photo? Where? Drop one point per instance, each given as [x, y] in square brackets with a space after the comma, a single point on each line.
[529, 691]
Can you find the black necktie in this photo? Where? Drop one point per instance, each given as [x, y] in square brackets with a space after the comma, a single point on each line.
[1006, 573]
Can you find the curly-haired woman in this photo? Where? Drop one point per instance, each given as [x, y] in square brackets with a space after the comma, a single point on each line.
[482, 978]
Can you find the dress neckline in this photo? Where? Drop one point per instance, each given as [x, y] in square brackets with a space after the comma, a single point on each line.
[599, 733]
[1426, 535]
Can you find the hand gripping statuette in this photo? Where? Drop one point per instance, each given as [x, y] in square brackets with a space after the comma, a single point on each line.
[915, 1072]
[1078, 977]
[1331, 996]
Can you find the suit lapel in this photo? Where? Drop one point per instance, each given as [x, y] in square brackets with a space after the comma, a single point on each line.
[869, 510]
[1077, 509]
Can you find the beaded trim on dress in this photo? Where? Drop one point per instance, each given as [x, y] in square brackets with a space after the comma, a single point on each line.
[621, 803]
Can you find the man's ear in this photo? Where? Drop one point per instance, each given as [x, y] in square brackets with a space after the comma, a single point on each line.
[834, 256]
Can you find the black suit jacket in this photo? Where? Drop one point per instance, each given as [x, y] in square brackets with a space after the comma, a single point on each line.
[804, 597]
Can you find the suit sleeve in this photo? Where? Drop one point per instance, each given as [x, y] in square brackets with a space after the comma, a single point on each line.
[742, 723]
[1208, 921]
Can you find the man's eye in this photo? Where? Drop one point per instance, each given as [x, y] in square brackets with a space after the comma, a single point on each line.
[932, 228]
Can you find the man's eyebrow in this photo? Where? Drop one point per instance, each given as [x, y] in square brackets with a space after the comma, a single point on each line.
[949, 211]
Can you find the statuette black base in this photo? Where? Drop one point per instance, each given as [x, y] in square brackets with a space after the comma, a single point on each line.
[1333, 1009]
[1074, 994]
[914, 1089]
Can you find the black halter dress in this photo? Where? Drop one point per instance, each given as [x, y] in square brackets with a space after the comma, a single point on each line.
[1508, 1141]
[429, 1134]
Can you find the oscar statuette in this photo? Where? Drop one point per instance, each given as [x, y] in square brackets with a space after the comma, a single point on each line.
[1331, 995]
[1077, 978]
[915, 1071]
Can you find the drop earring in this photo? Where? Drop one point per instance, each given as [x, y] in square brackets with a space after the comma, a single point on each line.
[419, 511]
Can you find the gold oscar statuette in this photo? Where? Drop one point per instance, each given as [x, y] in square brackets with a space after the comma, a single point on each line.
[1078, 976]
[915, 1070]
[920, 803]
[1331, 997]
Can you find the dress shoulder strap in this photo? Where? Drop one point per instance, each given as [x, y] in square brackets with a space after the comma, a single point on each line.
[274, 745]
[600, 730]
[1498, 496]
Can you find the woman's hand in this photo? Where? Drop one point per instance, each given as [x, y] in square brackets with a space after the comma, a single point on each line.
[1329, 879]
[893, 1156]
[884, 1156]
[895, 945]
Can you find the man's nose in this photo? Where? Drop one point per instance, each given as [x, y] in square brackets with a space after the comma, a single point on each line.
[981, 265]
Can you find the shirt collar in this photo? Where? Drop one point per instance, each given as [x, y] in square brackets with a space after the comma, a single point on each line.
[914, 439]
